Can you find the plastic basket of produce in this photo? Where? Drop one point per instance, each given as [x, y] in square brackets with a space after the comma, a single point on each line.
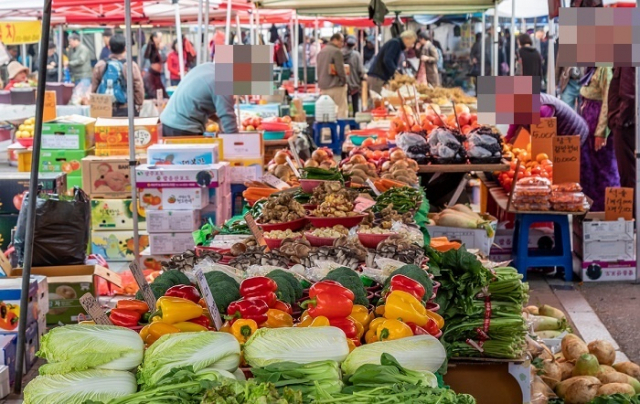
[292, 225]
[357, 140]
[347, 222]
[371, 240]
[25, 141]
[316, 241]
[275, 126]
[272, 135]
[308, 185]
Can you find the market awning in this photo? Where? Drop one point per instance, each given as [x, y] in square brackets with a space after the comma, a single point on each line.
[524, 9]
[355, 8]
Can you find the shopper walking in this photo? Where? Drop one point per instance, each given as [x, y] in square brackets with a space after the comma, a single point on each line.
[622, 120]
[153, 79]
[79, 61]
[332, 77]
[53, 63]
[173, 64]
[368, 52]
[356, 74]
[569, 85]
[194, 102]
[598, 166]
[106, 37]
[110, 77]
[386, 62]
[529, 58]
[428, 55]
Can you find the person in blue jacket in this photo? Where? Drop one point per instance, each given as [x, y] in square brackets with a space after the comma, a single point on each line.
[386, 62]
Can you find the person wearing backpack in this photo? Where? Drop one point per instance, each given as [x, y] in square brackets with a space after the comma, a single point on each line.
[110, 77]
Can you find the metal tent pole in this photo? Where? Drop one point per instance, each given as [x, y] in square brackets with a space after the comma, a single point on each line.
[482, 45]
[512, 40]
[179, 36]
[132, 143]
[238, 29]
[251, 28]
[294, 50]
[205, 40]
[551, 56]
[227, 29]
[494, 53]
[60, 49]
[23, 51]
[199, 34]
[637, 190]
[376, 39]
[33, 196]
[316, 44]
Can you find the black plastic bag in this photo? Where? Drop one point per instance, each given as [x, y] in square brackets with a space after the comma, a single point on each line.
[61, 232]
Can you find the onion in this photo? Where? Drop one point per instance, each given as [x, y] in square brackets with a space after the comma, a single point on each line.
[280, 157]
[572, 347]
[358, 159]
[319, 155]
[397, 155]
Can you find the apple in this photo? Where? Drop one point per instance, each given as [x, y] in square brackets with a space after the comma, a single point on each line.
[17, 200]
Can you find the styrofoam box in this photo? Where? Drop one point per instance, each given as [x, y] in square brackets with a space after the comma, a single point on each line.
[43, 294]
[503, 242]
[174, 198]
[182, 154]
[42, 325]
[471, 238]
[170, 243]
[166, 221]
[601, 271]
[599, 240]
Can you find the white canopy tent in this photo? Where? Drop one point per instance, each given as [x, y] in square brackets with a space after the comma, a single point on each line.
[355, 8]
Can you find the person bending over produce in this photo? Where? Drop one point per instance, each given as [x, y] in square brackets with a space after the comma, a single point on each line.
[194, 101]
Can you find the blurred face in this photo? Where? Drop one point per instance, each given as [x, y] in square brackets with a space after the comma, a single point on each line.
[20, 77]
[51, 52]
[106, 39]
[157, 39]
[339, 42]
[409, 42]
[74, 43]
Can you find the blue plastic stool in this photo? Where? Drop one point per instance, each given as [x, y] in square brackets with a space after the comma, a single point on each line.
[559, 256]
[336, 144]
[342, 126]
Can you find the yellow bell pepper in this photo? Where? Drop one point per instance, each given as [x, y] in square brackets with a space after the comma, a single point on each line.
[144, 332]
[171, 310]
[320, 321]
[277, 319]
[157, 330]
[436, 317]
[186, 326]
[87, 322]
[370, 335]
[362, 315]
[243, 329]
[380, 311]
[392, 329]
[359, 327]
[226, 327]
[405, 307]
[351, 344]
[307, 321]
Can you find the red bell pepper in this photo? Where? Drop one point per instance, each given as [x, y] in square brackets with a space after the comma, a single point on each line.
[124, 317]
[269, 298]
[330, 287]
[280, 305]
[345, 324]
[253, 309]
[356, 341]
[406, 284]
[257, 286]
[328, 305]
[417, 330]
[202, 320]
[184, 291]
[432, 327]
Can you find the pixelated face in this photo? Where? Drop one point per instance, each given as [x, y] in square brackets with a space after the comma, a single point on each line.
[506, 100]
[599, 36]
[244, 70]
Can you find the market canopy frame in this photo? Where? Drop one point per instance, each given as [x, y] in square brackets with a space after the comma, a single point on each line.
[359, 8]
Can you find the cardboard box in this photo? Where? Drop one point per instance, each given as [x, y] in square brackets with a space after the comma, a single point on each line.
[195, 140]
[72, 182]
[472, 238]
[10, 295]
[42, 298]
[170, 243]
[601, 271]
[178, 221]
[8, 346]
[113, 133]
[67, 284]
[595, 239]
[152, 261]
[7, 224]
[242, 145]
[206, 176]
[63, 161]
[245, 169]
[115, 214]
[173, 198]
[116, 245]
[183, 154]
[42, 325]
[14, 185]
[32, 345]
[107, 177]
[74, 132]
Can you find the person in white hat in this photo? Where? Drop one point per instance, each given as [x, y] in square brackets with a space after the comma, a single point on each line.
[17, 74]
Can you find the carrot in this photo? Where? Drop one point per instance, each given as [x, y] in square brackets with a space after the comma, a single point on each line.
[392, 184]
[380, 186]
[255, 193]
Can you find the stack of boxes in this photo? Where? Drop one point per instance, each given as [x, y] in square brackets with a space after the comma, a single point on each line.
[245, 154]
[13, 187]
[182, 187]
[65, 142]
[112, 135]
[606, 249]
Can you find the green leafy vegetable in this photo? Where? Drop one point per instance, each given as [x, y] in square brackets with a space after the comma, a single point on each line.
[388, 372]
[301, 377]
[417, 274]
[396, 393]
[403, 200]
[250, 392]
[350, 279]
[316, 173]
[196, 350]
[80, 347]
[291, 280]
[79, 387]
[224, 289]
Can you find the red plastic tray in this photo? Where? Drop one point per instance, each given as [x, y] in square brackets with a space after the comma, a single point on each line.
[292, 225]
[372, 240]
[332, 221]
[316, 241]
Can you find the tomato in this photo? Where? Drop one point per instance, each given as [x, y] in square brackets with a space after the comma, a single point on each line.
[464, 118]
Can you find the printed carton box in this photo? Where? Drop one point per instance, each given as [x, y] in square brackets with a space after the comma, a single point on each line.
[63, 161]
[115, 214]
[173, 198]
[170, 243]
[176, 176]
[117, 245]
[10, 295]
[14, 185]
[113, 133]
[107, 177]
[74, 132]
[182, 154]
[164, 221]
[152, 261]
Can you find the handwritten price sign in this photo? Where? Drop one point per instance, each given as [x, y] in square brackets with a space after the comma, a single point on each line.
[542, 136]
[618, 203]
[566, 159]
[20, 32]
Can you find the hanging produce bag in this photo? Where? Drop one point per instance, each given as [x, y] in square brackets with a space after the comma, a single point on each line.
[61, 231]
